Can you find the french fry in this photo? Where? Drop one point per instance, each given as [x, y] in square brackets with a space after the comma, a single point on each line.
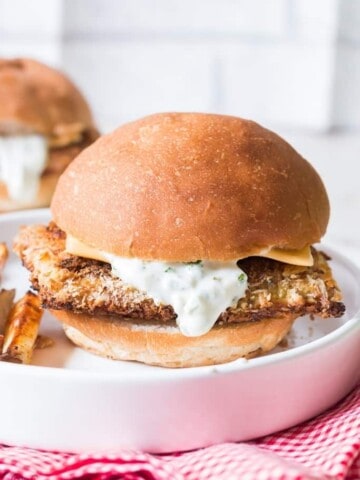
[4, 357]
[4, 254]
[6, 303]
[22, 329]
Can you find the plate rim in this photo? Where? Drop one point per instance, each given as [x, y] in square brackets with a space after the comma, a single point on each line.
[166, 374]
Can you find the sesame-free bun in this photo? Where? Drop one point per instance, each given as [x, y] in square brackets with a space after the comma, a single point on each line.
[164, 345]
[189, 186]
[37, 98]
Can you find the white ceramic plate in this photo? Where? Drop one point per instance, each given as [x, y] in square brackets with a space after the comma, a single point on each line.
[73, 401]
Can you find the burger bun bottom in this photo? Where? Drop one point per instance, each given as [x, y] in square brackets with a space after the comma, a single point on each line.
[163, 344]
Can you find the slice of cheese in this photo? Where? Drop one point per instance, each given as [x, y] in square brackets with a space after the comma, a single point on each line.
[80, 249]
[301, 257]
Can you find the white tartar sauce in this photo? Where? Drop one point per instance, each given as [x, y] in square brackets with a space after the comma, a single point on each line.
[197, 291]
[22, 160]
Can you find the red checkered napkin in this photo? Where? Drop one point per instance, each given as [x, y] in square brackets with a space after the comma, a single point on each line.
[325, 448]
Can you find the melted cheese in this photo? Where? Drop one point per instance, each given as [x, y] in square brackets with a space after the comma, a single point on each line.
[293, 257]
[22, 160]
[80, 249]
[301, 257]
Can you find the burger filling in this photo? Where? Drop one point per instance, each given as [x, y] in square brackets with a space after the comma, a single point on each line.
[198, 291]
[250, 290]
[22, 160]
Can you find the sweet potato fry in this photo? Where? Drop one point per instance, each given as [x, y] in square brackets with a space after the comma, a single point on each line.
[22, 329]
[6, 303]
[4, 254]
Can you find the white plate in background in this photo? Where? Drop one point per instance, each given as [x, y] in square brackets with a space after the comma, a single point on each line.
[72, 400]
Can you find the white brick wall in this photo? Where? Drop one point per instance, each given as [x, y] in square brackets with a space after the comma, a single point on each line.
[346, 100]
[282, 85]
[316, 21]
[349, 13]
[286, 63]
[31, 28]
[175, 17]
[37, 19]
[125, 83]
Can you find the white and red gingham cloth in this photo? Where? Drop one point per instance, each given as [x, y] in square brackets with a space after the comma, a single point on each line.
[325, 448]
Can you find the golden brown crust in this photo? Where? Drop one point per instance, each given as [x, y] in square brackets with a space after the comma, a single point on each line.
[38, 98]
[189, 186]
[68, 282]
[59, 158]
[165, 346]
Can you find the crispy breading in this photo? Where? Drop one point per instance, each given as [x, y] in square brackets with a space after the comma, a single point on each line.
[278, 287]
[68, 282]
[65, 281]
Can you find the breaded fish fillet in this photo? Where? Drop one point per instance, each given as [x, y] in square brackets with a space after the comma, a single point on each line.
[68, 282]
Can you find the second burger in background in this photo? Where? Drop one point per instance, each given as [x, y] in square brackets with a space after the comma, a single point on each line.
[45, 123]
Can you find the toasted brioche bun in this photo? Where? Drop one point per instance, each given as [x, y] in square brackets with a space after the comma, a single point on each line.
[189, 186]
[39, 99]
[163, 345]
